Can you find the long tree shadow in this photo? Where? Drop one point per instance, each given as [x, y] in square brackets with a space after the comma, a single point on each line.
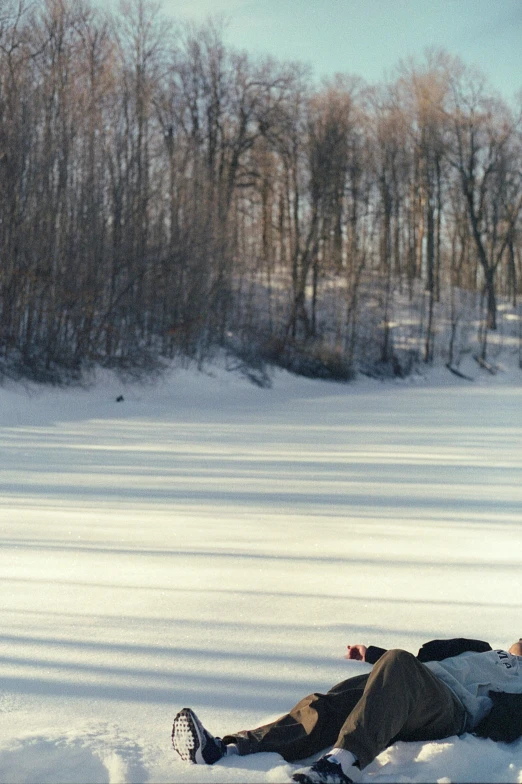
[263, 696]
[362, 598]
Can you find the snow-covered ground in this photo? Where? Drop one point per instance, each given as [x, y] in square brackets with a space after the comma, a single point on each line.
[210, 544]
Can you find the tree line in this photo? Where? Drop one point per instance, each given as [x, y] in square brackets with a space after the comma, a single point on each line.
[163, 195]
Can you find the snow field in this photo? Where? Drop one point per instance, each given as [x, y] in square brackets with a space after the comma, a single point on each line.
[209, 544]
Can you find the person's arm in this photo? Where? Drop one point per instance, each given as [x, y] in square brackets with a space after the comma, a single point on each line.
[437, 650]
[374, 653]
[504, 721]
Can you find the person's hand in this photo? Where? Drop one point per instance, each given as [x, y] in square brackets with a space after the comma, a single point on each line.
[356, 652]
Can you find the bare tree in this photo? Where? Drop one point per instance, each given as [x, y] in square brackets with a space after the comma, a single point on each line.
[423, 91]
[483, 132]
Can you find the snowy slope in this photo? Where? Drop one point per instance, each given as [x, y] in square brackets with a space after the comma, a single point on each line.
[210, 544]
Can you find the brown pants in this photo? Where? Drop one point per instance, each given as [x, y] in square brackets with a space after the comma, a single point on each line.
[400, 699]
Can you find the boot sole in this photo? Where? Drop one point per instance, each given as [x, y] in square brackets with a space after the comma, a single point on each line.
[187, 737]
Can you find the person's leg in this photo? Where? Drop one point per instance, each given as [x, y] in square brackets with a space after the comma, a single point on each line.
[311, 726]
[402, 700]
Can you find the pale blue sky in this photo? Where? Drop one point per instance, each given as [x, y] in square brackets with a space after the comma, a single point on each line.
[368, 37]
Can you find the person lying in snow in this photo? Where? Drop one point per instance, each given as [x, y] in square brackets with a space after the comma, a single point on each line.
[450, 687]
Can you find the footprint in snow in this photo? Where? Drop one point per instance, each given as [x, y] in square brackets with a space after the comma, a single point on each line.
[71, 759]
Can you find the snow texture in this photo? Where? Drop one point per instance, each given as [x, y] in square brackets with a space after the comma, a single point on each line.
[210, 544]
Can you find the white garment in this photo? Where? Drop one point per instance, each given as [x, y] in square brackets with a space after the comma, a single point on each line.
[343, 757]
[472, 675]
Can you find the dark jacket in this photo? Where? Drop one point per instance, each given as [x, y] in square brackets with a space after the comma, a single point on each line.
[504, 721]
